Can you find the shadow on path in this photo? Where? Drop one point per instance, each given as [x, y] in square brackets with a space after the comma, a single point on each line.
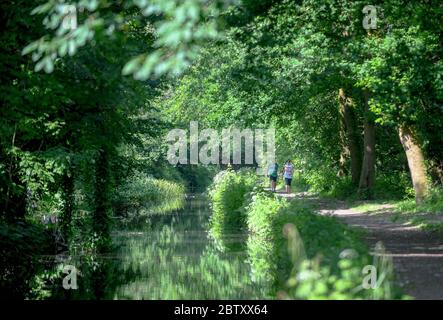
[417, 254]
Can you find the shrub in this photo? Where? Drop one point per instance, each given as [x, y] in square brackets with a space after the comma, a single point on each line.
[141, 192]
[343, 188]
[320, 180]
[264, 233]
[395, 185]
[433, 203]
[228, 194]
[288, 240]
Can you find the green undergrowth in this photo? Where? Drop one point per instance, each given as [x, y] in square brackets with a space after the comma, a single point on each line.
[228, 195]
[392, 187]
[145, 195]
[432, 204]
[21, 247]
[295, 252]
[303, 255]
[428, 215]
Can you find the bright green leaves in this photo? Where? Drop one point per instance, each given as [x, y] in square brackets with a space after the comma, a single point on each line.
[30, 47]
[41, 169]
[398, 72]
[70, 26]
[44, 8]
[133, 65]
[186, 25]
[45, 51]
[179, 33]
[46, 64]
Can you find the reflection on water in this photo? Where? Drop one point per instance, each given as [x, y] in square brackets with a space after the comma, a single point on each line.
[169, 256]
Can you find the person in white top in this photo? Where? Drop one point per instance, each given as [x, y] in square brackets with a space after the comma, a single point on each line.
[287, 174]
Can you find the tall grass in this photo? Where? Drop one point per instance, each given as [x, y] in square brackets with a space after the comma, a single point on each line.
[228, 194]
[303, 255]
[142, 194]
[392, 186]
[433, 203]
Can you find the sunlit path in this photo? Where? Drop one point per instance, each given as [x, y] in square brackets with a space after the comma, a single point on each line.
[417, 254]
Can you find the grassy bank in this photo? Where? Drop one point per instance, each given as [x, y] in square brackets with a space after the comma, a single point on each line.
[144, 195]
[229, 194]
[432, 204]
[308, 256]
[294, 251]
[428, 214]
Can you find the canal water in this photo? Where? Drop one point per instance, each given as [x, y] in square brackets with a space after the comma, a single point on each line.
[169, 255]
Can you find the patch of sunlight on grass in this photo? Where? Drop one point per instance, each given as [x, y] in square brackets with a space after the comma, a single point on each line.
[432, 204]
[371, 206]
[428, 215]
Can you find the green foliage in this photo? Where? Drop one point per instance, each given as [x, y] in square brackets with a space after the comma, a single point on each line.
[432, 204]
[283, 64]
[71, 136]
[388, 185]
[396, 185]
[141, 193]
[21, 249]
[325, 180]
[71, 125]
[407, 212]
[315, 281]
[264, 240]
[197, 178]
[177, 35]
[304, 255]
[228, 194]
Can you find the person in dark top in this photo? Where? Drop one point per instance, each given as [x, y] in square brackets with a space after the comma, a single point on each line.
[273, 175]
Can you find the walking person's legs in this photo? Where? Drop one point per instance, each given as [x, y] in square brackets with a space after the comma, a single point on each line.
[273, 183]
[288, 185]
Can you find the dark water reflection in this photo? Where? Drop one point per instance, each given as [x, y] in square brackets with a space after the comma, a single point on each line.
[168, 256]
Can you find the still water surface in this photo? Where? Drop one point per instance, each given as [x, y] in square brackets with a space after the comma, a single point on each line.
[170, 256]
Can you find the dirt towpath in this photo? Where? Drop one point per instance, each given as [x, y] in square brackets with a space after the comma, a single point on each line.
[417, 254]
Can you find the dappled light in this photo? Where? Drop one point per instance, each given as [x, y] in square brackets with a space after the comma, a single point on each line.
[264, 151]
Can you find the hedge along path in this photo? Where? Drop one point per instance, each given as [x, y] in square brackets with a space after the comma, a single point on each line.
[417, 254]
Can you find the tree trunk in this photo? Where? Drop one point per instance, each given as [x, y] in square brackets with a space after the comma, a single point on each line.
[349, 137]
[14, 208]
[416, 161]
[13, 204]
[344, 147]
[367, 177]
[100, 218]
[68, 207]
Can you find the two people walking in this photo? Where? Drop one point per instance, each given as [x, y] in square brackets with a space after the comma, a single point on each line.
[287, 175]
